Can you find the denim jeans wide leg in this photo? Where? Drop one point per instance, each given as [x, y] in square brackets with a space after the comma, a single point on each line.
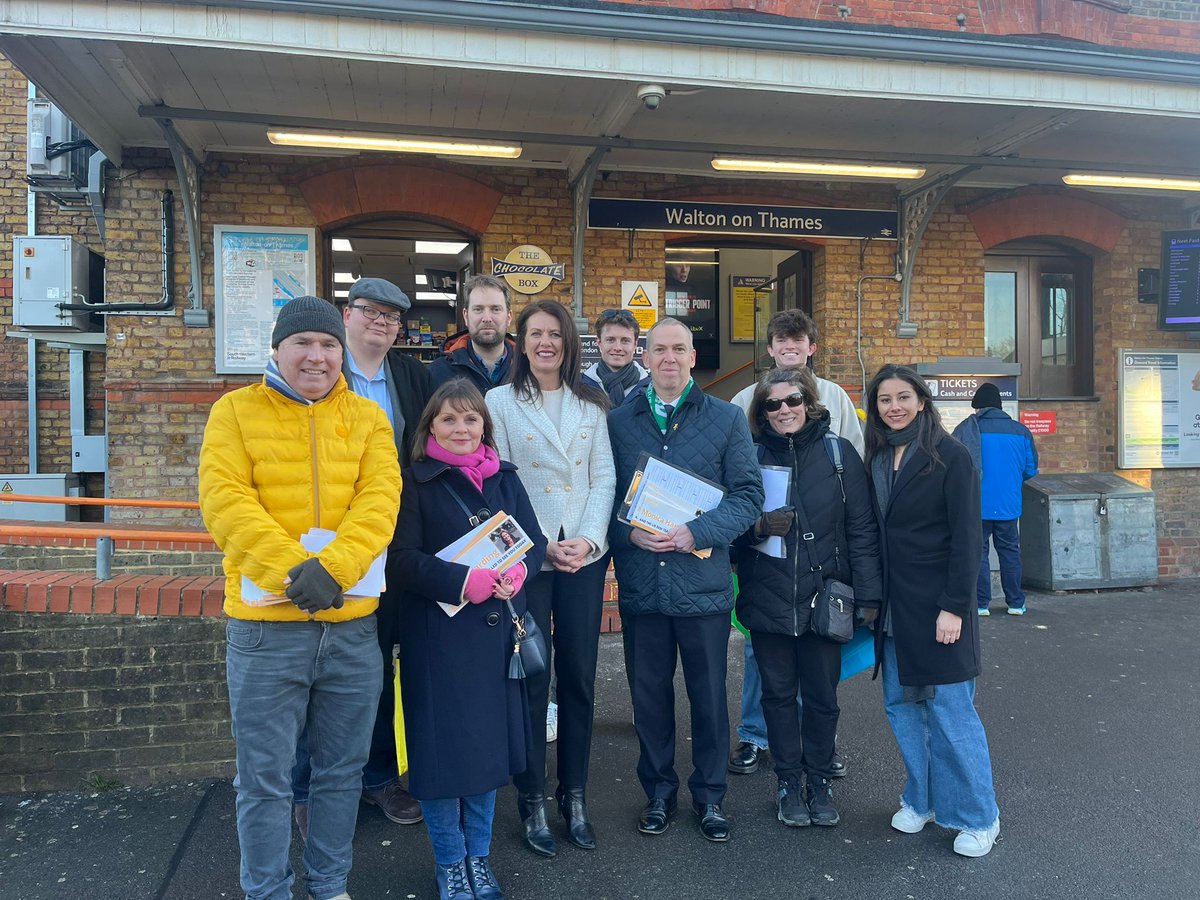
[983, 586]
[269, 668]
[1007, 537]
[753, 729]
[460, 826]
[341, 713]
[945, 751]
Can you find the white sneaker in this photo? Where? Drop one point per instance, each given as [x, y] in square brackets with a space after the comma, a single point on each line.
[977, 843]
[910, 821]
[551, 723]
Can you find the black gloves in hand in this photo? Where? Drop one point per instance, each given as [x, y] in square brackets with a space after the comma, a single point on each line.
[313, 588]
[775, 523]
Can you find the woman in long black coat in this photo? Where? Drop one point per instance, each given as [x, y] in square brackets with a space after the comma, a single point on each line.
[927, 499]
[465, 719]
[791, 430]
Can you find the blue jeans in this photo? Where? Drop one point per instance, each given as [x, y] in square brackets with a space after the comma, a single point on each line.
[945, 751]
[283, 677]
[460, 827]
[1007, 539]
[753, 729]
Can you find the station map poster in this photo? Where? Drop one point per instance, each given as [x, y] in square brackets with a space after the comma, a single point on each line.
[258, 270]
[1159, 409]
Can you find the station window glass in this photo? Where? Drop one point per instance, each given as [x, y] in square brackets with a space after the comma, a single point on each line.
[1038, 312]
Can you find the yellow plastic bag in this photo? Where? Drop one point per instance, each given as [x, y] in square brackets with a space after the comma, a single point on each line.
[398, 722]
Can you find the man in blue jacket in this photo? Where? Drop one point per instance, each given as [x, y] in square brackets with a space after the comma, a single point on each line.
[483, 353]
[678, 601]
[1006, 457]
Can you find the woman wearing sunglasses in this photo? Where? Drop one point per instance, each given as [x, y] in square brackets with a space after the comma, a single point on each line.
[833, 514]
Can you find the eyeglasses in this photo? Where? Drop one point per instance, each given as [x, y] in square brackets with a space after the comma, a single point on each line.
[370, 313]
[774, 404]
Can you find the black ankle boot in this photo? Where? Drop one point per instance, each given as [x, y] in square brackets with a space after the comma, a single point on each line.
[532, 808]
[574, 810]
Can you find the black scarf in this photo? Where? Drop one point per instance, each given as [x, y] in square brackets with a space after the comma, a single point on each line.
[617, 384]
[906, 435]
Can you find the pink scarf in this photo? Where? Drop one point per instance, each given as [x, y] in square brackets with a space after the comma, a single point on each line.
[482, 464]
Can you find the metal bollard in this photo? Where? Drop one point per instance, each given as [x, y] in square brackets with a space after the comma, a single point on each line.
[104, 558]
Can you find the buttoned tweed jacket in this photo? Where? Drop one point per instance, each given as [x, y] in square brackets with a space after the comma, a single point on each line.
[567, 471]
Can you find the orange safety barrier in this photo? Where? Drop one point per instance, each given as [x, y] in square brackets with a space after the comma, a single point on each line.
[29, 530]
[100, 501]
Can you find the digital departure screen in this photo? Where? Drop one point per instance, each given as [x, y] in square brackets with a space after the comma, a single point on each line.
[1179, 296]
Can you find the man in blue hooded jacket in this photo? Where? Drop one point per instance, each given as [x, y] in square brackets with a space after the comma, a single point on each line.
[1006, 457]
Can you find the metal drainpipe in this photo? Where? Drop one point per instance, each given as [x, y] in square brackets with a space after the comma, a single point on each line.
[858, 297]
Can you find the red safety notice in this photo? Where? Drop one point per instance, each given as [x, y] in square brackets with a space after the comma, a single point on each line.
[1040, 422]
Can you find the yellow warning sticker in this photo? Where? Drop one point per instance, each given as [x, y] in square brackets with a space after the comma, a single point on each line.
[640, 299]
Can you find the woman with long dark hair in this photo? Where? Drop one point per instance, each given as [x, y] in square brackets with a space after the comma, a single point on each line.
[553, 427]
[926, 492]
[464, 715]
[827, 521]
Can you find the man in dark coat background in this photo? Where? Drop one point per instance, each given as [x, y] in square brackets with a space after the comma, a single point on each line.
[483, 353]
[679, 602]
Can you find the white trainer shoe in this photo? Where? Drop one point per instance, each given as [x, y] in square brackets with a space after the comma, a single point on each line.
[977, 843]
[551, 723]
[910, 821]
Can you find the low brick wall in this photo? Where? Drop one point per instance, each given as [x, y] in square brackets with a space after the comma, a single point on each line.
[120, 680]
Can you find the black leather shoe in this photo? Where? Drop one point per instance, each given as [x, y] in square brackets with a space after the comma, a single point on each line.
[656, 817]
[574, 811]
[838, 767]
[538, 838]
[745, 758]
[713, 824]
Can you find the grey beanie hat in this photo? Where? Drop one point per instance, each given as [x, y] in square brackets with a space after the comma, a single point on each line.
[308, 314]
[380, 290]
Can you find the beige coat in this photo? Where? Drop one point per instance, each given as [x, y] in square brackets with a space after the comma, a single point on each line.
[568, 472]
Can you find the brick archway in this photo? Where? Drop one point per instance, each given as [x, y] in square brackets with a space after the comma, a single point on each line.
[339, 194]
[1045, 214]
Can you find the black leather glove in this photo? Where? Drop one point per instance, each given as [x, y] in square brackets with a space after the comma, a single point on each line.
[313, 588]
[775, 523]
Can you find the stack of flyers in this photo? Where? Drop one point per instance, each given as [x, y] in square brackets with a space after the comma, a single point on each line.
[496, 544]
[314, 541]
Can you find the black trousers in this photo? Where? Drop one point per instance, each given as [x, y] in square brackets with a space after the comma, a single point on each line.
[572, 603]
[700, 642]
[799, 741]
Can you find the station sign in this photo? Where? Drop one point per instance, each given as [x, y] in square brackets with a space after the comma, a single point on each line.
[741, 218]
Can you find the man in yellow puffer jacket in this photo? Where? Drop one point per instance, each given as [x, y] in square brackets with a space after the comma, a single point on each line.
[297, 453]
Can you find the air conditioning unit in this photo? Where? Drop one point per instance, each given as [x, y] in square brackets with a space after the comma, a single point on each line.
[56, 150]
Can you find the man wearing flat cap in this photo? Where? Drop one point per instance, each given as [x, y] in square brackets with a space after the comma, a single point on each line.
[399, 384]
[280, 459]
[1005, 456]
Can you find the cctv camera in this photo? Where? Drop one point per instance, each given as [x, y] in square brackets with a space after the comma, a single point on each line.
[651, 95]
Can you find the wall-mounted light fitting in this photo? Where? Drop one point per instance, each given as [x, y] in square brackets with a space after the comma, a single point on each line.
[335, 141]
[811, 167]
[1136, 182]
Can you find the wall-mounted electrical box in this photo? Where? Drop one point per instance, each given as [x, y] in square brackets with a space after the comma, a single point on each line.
[49, 272]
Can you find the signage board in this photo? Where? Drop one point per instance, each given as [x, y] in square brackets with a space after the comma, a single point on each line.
[1179, 292]
[641, 299]
[741, 218]
[1158, 409]
[1040, 421]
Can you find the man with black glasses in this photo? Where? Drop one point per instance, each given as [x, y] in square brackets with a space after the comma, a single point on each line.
[618, 373]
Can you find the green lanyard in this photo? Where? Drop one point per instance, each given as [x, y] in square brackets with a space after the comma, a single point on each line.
[658, 408]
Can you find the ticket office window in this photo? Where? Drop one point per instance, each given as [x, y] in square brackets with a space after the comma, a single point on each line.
[1038, 312]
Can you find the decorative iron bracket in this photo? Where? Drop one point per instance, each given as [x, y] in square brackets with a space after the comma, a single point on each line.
[187, 170]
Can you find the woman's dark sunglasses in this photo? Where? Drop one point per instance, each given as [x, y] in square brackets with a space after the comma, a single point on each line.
[774, 404]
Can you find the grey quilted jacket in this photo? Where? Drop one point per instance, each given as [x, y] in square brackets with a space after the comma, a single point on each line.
[709, 438]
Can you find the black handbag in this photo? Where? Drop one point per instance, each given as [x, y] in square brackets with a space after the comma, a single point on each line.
[831, 612]
[529, 646]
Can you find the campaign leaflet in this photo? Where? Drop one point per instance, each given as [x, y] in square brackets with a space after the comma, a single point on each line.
[314, 541]
[661, 496]
[496, 544]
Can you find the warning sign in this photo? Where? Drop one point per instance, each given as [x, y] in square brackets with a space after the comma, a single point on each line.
[641, 299]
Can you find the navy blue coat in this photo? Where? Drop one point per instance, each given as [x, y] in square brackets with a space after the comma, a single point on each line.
[932, 544]
[776, 594]
[460, 362]
[465, 720]
[709, 438]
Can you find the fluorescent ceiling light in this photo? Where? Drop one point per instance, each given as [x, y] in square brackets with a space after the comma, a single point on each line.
[342, 245]
[1140, 182]
[807, 167]
[421, 279]
[343, 278]
[691, 262]
[446, 247]
[336, 141]
[341, 294]
[693, 249]
[433, 295]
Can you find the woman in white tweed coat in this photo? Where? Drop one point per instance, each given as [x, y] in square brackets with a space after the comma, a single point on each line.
[552, 426]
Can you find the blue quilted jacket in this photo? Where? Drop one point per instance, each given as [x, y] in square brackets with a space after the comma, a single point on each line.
[709, 438]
